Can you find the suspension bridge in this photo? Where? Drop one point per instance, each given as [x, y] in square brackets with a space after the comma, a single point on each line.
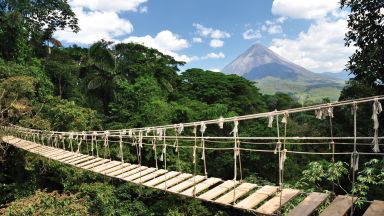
[81, 149]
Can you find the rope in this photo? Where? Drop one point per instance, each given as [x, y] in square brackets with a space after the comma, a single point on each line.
[354, 156]
[203, 127]
[236, 153]
[194, 161]
[178, 130]
[376, 110]
[106, 145]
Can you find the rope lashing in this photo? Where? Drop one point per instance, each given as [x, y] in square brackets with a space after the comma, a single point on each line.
[160, 137]
[62, 140]
[236, 153]
[154, 148]
[178, 130]
[82, 137]
[194, 131]
[221, 122]
[106, 144]
[270, 118]
[70, 137]
[324, 112]
[121, 153]
[203, 127]
[376, 110]
[93, 143]
[56, 140]
[354, 155]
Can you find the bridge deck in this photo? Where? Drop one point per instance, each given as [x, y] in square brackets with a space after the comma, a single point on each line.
[246, 196]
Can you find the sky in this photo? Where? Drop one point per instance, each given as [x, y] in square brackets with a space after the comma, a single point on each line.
[209, 34]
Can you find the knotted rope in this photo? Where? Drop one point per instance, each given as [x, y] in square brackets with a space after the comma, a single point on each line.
[236, 153]
[355, 155]
[178, 130]
[70, 137]
[376, 110]
[106, 145]
[194, 159]
[203, 127]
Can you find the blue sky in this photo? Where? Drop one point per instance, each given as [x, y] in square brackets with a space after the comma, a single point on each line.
[210, 34]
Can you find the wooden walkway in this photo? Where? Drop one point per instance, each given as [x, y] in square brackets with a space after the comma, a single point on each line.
[265, 200]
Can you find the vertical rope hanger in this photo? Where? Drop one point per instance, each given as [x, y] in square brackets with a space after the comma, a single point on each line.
[70, 137]
[278, 151]
[203, 127]
[236, 153]
[376, 110]
[194, 159]
[106, 145]
[283, 157]
[154, 148]
[178, 130]
[354, 156]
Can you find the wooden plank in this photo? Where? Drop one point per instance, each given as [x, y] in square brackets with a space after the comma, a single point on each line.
[95, 164]
[76, 155]
[149, 176]
[74, 159]
[257, 197]
[105, 166]
[218, 190]
[55, 155]
[140, 174]
[65, 155]
[89, 162]
[113, 169]
[201, 186]
[375, 209]
[161, 178]
[132, 172]
[309, 204]
[186, 184]
[339, 206]
[125, 169]
[82, 160]
[173, 181]
[236, 193]
[273, 204]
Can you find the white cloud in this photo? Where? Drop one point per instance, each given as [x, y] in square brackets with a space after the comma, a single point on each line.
[197, 40]
[96, 25]
[166, 42]
[216, 43]
[107, 5]
[305, 9]
[321, 48]
[213, 55]
[215, 70]
[210, 32]
[143, 9]
[252, 34]
[273, 26]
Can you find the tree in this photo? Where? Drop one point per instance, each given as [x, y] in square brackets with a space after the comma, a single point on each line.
[366, 27]
[39, 18]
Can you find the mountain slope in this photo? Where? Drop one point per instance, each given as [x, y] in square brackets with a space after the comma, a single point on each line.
[273, 74]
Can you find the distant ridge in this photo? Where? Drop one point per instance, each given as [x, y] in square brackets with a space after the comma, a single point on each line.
[273, 74]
